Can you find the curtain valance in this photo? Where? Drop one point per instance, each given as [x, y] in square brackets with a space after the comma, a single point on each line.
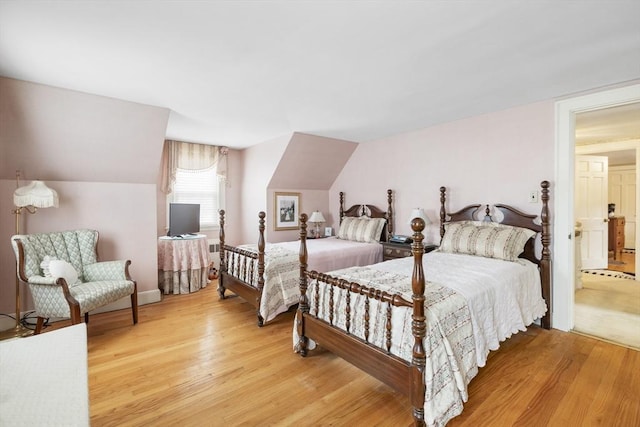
[190, 156]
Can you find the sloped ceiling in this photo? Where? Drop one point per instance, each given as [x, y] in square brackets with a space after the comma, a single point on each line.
[238, 73]
[60, 135]
[311, 162]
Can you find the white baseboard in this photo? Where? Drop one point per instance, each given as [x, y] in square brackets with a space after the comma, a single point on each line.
[146, 297]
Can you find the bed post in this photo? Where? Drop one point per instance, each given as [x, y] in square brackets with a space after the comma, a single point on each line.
[261, 246]
[389, 214]
[303, 304]
[223, 267]
[545, 262]
[418, 325]
[443, 212]
[341, 206]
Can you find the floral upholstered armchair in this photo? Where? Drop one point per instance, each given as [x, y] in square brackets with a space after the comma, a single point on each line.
[65, 277]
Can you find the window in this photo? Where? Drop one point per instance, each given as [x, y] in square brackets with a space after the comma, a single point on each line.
[199, 186]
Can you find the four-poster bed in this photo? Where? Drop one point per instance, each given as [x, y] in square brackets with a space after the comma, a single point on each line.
[400, 321]
[267, 275]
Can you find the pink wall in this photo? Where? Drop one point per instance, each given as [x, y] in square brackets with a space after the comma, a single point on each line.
[102, 155]
[62, 135]
[493, 158]
[258, 166]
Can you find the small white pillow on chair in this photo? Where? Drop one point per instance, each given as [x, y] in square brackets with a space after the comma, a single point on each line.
[59, 268]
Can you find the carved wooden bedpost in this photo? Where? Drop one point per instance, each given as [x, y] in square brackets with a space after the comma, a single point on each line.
[341, 206]
[303, 304]
[261, 246]
[545, 262]
[418, 325]
[223, 266]
[443, 211]
[389, 214]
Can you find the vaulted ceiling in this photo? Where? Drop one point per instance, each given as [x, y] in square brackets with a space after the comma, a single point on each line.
[237, 73]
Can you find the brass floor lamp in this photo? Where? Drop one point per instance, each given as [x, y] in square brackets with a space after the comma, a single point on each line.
[27, 199]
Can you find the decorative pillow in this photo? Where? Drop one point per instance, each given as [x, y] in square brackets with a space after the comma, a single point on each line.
[502, 242]
[457, 238]
[362, 229]
[491, 240]
[53, 267]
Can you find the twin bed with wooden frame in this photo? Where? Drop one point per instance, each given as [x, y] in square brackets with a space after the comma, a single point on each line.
[400, 322]
[267, 275]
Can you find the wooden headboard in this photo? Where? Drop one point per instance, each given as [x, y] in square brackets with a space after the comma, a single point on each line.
[514, 217]
[372, 212]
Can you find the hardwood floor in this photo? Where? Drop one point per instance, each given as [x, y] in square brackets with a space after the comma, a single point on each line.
[193, 360]
[626, 264]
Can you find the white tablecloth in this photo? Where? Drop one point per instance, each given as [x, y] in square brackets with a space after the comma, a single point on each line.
[183, 264]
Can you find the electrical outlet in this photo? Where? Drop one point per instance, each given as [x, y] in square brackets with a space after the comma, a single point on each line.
[533, 196]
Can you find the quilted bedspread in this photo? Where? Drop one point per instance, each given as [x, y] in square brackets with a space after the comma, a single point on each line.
[449, 343]
[282, 269]
[281, 277]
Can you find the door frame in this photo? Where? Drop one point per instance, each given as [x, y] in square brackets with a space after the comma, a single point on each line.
[563, 242]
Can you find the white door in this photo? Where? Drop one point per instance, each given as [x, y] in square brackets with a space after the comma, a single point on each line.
[591, 209]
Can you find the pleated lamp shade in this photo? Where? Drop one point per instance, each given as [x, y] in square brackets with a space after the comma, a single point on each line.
[316, 216]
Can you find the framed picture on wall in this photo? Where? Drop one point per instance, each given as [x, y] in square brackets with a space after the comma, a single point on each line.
[287, 211]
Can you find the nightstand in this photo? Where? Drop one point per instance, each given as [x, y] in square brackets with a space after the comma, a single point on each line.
[400, 250]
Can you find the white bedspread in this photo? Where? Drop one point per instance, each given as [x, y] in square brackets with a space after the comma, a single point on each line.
[472, 304]
[43, 379]
[503, 297]
[282, 267]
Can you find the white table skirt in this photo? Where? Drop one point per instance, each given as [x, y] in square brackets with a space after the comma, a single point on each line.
[184, 281]
[183, 264]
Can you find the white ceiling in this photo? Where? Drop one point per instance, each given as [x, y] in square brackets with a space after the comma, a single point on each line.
[238, 73]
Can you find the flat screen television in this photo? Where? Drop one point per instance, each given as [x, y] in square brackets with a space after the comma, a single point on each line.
[184, 218]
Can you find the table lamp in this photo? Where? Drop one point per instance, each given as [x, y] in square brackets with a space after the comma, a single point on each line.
[317, 218]
[419, 213]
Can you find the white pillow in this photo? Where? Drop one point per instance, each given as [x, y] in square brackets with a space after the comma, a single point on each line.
[56, 268]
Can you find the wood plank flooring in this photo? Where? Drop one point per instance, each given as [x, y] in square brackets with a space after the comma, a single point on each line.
[626, 264]
[193, 360]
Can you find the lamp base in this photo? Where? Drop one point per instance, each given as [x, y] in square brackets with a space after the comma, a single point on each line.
[17, 331]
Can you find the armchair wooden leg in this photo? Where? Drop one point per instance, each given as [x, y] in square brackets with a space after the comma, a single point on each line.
[75, 315]
[39, 324]
[134, 307]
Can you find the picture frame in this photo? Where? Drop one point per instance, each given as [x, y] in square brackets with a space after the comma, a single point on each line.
[328, 232]
[287, 211]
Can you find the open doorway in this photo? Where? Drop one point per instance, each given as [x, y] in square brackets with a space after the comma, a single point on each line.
[563, 244]
[607, 293]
